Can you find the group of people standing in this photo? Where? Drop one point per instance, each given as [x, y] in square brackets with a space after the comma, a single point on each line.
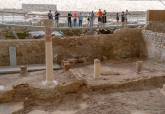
[56, 17]
[102, 17]
[124, 17]
[76, 19]
[69, 18]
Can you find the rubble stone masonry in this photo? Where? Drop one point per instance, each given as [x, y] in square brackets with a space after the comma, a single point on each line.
[155, 43]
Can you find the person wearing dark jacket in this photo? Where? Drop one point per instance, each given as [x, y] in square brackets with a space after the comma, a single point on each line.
[50, 16]
[117, 17]
[57, 14]
[92, 16]
[69, 19]
[104, 16]
[123, 18]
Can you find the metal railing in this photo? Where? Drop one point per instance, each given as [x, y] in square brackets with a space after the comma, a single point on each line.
[24, 19]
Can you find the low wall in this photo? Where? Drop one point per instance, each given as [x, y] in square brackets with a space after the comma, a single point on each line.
[156, 26]
[155, 43]
[126, 43]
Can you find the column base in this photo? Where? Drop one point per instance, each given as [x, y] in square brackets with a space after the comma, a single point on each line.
[163, 90]
[2, 87]
[50, 84]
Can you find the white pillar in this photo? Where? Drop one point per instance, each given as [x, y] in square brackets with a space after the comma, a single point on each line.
[163, 90]
[164, 87]
[139, 65]
[49, 60]
[49, 54]
[97, 68]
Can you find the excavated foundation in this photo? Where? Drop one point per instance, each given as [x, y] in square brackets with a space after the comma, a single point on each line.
[81, 94]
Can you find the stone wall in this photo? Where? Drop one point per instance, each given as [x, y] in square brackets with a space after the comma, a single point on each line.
[27, 51]
[126, 43]
[156, 26]
[155, 43]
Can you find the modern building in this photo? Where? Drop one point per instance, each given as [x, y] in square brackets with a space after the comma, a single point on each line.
[39, 7]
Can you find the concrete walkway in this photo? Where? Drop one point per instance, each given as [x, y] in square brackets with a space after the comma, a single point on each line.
[31, 68]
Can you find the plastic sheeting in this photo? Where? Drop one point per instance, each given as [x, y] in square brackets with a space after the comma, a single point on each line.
[41, 34]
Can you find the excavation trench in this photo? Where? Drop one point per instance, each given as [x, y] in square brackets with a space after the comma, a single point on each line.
[72, 93]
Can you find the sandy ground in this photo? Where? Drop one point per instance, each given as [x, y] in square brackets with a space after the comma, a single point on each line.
[149, 101]
[137, 102]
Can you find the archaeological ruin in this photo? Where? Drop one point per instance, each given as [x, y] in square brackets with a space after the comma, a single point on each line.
[119, 73]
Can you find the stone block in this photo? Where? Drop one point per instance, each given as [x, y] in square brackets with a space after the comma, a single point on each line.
[23, 70]
[71, 87]
[139, 66]
[12, 54]
[38, 112]
[97, 68]
[66, 65]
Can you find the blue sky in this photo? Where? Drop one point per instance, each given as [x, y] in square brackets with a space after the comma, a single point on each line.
[88, 5]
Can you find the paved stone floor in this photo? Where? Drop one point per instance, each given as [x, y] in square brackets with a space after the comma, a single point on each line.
[16, 69]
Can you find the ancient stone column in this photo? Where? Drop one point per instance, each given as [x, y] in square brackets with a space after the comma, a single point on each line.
[97, 68]
[163, 90]
[164, 87]
[49, 52]
[139, 65]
